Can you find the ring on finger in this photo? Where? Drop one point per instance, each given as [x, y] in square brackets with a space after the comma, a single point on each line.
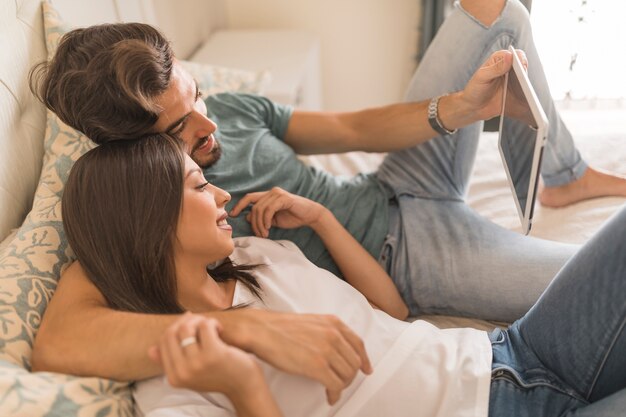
[188, 341]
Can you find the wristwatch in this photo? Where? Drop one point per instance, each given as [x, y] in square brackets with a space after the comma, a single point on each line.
[433, 118]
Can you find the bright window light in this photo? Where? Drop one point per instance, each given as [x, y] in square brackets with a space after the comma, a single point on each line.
[582, 46]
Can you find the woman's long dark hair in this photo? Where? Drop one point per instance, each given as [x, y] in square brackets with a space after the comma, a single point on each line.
[120, 208]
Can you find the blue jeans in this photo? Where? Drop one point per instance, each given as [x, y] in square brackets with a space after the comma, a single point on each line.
[442, 255]
[567, 355]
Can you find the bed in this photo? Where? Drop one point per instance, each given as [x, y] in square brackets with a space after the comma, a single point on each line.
[36, 152]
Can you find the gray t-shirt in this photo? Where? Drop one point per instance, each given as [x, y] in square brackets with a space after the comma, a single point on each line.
[255, 158]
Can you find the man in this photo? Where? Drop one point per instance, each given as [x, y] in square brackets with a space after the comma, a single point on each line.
[123, 83]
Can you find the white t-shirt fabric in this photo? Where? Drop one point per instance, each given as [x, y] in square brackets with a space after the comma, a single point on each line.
[419, 370]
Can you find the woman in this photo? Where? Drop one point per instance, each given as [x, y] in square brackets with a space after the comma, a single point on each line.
[145, 224]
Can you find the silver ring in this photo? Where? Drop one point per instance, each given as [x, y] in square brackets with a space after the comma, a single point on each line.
[188, 341]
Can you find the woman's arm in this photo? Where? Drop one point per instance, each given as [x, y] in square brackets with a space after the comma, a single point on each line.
[359, 268]
[285, 210]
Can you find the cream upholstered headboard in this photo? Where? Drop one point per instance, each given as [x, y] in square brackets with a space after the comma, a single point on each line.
[185, 22]
[22, 118]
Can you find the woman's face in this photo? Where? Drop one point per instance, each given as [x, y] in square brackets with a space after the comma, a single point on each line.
[202, 232]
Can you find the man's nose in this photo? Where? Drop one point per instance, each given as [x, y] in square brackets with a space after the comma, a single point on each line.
[206, 126]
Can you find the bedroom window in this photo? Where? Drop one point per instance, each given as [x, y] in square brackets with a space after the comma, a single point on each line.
[581, 44]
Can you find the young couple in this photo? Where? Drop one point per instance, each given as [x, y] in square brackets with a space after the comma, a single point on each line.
[545, 364]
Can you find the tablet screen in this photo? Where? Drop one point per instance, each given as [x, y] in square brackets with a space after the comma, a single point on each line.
[518, 140]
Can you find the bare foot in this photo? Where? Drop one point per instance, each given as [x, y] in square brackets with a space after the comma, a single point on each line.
[593, 184]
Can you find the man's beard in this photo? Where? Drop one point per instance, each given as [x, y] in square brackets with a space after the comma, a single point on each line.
[209, 160]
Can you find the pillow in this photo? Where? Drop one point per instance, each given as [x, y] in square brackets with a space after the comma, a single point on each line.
[26, 394]
[30, 264]
[214, 79]
[32, 260]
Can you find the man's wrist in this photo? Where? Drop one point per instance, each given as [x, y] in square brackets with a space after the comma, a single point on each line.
[455, 112]
[235, 327]
[433, 118]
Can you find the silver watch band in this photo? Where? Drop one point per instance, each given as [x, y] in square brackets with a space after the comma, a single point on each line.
[433, 118]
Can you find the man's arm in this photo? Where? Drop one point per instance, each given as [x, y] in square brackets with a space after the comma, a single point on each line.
[80, 335]
[400, 126]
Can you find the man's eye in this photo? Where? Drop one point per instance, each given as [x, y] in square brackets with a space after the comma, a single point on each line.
[180, 129]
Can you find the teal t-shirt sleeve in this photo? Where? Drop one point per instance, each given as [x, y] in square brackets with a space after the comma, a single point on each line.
[272, 115]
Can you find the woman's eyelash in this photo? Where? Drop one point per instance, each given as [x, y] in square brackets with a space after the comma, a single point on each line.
[202, 186]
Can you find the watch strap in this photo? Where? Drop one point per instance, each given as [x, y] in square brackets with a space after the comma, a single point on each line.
[433, 118]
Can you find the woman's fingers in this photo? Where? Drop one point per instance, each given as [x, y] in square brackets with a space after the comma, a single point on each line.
[208, 333]
[280, 202]
[264, 210]
[270, 210]
[298, 211]
[245, 201]
[187, 336]
[258, 211]
[177, 344]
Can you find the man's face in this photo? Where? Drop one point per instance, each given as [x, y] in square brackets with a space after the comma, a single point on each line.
[184, 116]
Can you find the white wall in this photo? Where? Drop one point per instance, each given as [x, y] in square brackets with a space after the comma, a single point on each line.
[367, 46]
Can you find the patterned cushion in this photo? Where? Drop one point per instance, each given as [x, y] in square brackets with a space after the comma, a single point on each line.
[54, 395]
[32, 259]
[213, 79]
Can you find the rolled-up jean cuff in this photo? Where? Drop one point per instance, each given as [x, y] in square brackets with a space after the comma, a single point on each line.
[565, 176]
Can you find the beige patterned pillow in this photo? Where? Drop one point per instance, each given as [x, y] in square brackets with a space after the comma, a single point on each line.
[30, 265]
[34, 257]
[26, 394]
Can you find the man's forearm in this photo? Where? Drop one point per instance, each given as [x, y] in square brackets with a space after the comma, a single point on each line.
[81, 335]
[100, 342]
[405, 125]
[382, 129]
[401, 126]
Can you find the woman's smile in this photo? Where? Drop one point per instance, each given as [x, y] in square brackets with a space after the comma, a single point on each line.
[222, 223]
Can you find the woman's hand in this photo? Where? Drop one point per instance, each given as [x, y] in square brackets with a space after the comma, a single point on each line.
[194, 356]
[279, 208]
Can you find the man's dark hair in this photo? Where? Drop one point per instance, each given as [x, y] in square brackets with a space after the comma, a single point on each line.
[103, 80]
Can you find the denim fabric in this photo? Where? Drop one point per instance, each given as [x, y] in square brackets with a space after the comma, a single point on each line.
[567, 355]
[443, 256]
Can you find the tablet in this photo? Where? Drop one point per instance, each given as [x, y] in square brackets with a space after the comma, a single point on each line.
[523, 134]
